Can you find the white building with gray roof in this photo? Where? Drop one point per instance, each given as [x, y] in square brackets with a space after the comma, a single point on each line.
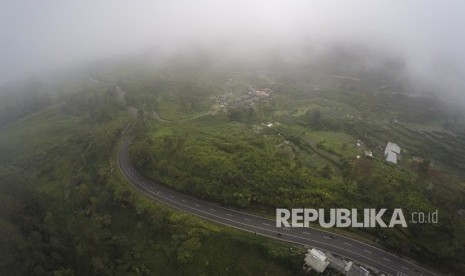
[392, 152]
[316, 260]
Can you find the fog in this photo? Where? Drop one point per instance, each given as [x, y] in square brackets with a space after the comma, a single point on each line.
[426, 36]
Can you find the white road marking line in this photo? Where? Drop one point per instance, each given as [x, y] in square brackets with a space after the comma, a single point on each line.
[386, 259]
[183, 200]
[346, 243]
[366, 251]
[141, 189]
[326, 237]
[267, 224]
[308, 233]
[246, 219]
[230, 215]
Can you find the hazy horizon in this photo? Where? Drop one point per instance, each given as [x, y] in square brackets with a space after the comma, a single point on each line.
[425, 36]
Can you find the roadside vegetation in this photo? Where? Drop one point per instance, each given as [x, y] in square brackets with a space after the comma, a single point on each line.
[308, 147]
[65, 209]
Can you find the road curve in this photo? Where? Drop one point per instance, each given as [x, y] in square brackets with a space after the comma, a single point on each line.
[360, 252]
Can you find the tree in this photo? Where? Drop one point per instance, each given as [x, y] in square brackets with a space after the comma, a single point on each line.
[234, 114]
[326, 171]
[423, 167]
[141, 154]
[314, 119]
[286, 153]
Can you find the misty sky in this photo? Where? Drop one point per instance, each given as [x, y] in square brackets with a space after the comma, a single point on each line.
[41, 35]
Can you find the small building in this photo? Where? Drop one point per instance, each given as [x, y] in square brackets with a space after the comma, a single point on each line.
[392, 152]
[262, 93]
[348, 266]
[316, 260]
[392, 147]
[391, 157]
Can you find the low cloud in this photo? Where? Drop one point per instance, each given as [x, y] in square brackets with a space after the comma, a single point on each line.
[426, 36]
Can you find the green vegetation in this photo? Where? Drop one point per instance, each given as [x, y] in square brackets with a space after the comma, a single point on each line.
[65, 210]
[300, 149]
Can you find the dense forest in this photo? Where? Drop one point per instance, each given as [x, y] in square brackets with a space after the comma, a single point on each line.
[65, 209]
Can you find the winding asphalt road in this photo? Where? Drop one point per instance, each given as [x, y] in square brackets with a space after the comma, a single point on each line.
[357, 251]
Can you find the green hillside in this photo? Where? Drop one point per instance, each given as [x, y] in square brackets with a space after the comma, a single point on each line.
[251, 140]
[65, 209]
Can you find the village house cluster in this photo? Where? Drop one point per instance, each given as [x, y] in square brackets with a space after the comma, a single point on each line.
[253, 96]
